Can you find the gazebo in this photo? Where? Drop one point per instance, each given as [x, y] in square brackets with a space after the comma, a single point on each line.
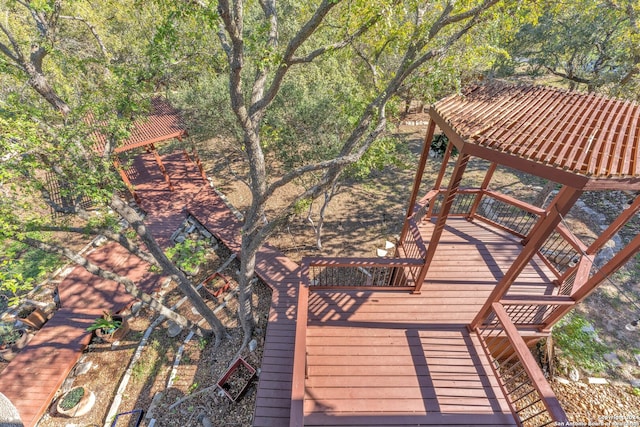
[487, 275]
[163, 123]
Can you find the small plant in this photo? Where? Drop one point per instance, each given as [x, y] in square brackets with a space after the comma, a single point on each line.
[202, 343]
[14, 287]
[439, 145]
[71, 399]
[573, 339]
[8, 334]
[192, 388]
[106, 323]
[188, 255]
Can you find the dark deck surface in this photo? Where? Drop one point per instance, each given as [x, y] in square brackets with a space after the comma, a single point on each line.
[374, 358]
[393, 358]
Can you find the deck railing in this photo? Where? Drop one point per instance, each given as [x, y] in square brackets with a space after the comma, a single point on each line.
[527, 391]
[362, 273]
[532, 312]
[561, 251]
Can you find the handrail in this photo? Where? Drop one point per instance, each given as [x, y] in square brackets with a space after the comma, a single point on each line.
[515, 202]
[296, 413]
[560, 252]
[534, 312]
[526, 395]
[361, 262]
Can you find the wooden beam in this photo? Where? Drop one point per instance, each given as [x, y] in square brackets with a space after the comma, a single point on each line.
[545, 226]
[456, 177]
[125, 178]
[620, 259]
[483, 187]
[615, 226]
[418, 179]
[530, 365]
[161, 166]
[298, 379]
[129, 147]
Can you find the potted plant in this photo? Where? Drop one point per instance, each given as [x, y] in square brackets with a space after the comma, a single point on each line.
[12, 340]
[110, 327]
[32, 316]
[236, 379]
[76, 402]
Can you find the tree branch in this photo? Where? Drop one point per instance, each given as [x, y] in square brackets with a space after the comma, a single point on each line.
[338, 45]
[92, 29]
[16, 55]
[569, 77]
[294, 44]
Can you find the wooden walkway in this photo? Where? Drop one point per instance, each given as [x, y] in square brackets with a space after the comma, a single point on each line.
[392, 358]
[273, 400]
[33, 378]
[373, 358]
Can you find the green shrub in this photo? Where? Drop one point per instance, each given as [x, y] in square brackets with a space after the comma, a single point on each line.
[573, 339]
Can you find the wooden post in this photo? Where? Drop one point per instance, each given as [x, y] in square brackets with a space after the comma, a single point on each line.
[483, 187]
[418, 179]
[161, 166]
[125, 178]
[443, 169]
[620, 259]
[545, 226]
[456, 177]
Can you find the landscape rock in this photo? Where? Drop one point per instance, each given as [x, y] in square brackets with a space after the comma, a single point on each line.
[173, 329]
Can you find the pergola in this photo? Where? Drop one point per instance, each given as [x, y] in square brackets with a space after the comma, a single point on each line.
[581, 141]
[163, 123]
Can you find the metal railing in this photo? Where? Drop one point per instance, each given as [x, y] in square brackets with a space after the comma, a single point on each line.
[560, 252]
[528, 393]
[532, 312]
[362, 273]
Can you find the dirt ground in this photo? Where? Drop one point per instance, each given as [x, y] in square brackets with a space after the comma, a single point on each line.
[359, 220]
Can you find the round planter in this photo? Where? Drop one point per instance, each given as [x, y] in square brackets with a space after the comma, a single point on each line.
[81, 408]
[8, 352]
[117, 334]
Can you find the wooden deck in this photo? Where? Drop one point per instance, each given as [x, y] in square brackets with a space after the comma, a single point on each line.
[393, 358]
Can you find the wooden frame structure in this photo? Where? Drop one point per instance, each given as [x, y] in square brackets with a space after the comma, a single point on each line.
[581, 141]
[584, 142]
[163, 123]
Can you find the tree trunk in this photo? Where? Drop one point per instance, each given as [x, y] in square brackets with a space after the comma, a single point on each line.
[185, 285]
[245, 289]
[40, 84]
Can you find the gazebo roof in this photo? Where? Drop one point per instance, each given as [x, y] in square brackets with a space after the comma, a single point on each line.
[162, 123]
[583, 140]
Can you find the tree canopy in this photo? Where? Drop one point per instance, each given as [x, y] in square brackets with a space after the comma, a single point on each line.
[304, 90]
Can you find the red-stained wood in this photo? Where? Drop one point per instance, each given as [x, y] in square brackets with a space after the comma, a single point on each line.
[530, 365]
